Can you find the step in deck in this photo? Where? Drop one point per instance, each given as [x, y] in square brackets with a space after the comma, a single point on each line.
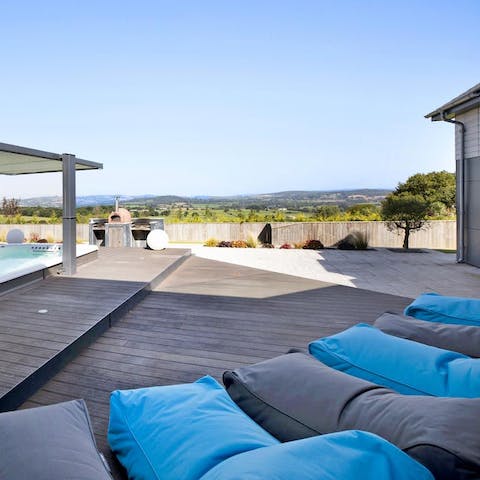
[34, 346]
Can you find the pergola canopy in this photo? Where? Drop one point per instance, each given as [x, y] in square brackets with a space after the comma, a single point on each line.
[15, 160]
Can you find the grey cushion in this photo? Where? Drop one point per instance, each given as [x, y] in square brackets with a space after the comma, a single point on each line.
[459, 338]
[50, 443]
[295, 396]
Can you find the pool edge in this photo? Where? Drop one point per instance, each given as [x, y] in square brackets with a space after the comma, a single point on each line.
[42, 273]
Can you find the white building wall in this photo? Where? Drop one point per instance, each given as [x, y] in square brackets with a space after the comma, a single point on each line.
[471, 120]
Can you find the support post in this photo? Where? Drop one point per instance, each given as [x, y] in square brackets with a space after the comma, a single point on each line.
[69, 255]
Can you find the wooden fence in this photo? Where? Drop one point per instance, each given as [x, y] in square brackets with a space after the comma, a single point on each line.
[438, 234]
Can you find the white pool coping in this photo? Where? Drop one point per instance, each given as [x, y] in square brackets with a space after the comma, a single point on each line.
[82, 249]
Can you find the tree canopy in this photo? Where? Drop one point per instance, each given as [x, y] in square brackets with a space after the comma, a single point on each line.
[10, 207]
[434, 187]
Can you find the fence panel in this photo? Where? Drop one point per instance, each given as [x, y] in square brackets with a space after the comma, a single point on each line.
[438, 233]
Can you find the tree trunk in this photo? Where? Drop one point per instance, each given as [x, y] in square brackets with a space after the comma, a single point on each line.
[406, 238]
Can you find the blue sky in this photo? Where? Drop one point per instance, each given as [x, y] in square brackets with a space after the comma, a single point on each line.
[223, 97]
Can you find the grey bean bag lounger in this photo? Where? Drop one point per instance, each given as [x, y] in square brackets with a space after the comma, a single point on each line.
[295, 396]
[458, 338]
[54, 442]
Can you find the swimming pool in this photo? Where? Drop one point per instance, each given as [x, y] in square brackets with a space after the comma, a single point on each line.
[19, 260]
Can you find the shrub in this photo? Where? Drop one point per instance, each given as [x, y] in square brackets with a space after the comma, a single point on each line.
[211, 242]
[251, 242]
[34, 237]
[354, 241]
[239, 244]
[268, 245]
[313, 245]
[16, 220]
[346, 243]
[361, 240]
[286, 246]
[224, 244]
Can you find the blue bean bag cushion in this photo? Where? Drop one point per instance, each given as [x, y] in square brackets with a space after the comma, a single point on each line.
[439, 308]
[341, 456]
[179, 431]
[408, 367]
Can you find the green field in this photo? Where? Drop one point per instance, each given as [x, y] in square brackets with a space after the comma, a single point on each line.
[203, 213]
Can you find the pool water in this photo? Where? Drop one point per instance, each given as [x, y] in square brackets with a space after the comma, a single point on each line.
[18, 260]
[23, 259]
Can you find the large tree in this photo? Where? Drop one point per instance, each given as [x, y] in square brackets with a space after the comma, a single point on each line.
[405, 211]
[434, 187]
[421, 196]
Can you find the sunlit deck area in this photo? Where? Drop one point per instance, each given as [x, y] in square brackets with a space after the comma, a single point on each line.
[203, 318]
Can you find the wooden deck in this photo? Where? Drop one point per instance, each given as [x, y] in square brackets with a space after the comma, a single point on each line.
[205, 318]
[34, 346]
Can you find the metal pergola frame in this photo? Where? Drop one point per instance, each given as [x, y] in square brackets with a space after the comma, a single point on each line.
[16, 160]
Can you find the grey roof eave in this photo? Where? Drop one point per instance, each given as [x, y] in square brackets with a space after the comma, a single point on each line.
[466, 101]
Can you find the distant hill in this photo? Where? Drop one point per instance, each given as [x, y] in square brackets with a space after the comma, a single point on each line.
[276, 199]
[85, 201]
[297, 198]
[304, 195]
